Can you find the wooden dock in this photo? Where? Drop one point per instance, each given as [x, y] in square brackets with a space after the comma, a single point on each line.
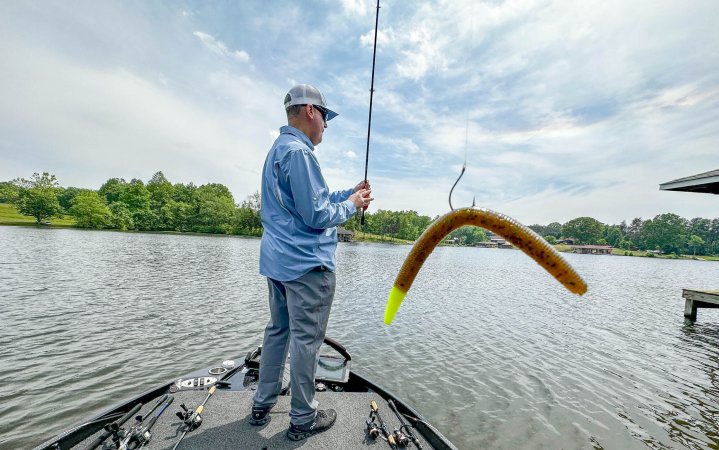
[696, 299]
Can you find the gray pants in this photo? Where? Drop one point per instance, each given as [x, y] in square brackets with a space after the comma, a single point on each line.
[299, 311]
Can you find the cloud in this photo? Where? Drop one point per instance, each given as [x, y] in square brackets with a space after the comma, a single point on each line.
[98, 123]
[355, 8]
[569, 105]
[220, 47]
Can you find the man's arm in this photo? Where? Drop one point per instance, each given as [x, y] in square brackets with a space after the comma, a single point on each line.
[311, 196]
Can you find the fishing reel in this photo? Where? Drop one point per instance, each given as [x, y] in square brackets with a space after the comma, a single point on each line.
[190, 418]
[117, 433]
[400, 438]
[373, 429]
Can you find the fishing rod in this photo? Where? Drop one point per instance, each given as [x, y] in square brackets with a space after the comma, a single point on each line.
[403, 424]
[139, 434]
[371, 95]
[375, 429]
[111, 429]
[192, 419]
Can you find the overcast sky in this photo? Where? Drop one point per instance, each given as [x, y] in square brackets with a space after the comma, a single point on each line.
[564, 108]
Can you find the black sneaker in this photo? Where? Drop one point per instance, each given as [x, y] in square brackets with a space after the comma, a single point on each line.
[323, 421]
[260, 415]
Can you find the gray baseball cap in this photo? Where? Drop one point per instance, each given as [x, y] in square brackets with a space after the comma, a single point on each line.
[304, 94]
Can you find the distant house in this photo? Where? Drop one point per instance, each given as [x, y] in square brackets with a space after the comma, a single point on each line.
[498, 241]
[485, 244]
[344, 235]
[593, 249]
[567, 241]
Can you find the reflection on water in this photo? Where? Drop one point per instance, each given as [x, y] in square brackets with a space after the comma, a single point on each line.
[489, 347]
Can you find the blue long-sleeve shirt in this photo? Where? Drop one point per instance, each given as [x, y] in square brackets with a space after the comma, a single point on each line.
[298, 213]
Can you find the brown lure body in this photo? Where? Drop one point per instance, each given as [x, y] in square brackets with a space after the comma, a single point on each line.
[520, 236]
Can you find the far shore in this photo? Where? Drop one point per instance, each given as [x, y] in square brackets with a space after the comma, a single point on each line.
[68, 223]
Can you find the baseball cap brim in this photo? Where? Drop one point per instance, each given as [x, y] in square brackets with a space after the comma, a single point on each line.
[330, 114]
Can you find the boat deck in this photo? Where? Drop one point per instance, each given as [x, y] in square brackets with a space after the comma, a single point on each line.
[225, 423]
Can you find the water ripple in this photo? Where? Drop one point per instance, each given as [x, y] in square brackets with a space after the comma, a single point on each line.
[491, 349]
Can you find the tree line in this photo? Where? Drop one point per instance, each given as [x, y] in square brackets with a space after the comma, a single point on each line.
[160, 205]
[157, 205]
[667, 233]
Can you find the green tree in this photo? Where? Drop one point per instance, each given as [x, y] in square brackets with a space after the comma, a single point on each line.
[67, 195]
[666, 232]
[90, 210]
[634, 231]
[613, 235]
[145, 219]
[184, 193]
[38, 196]
[215, 209]
[136, 196]
[161, 191]
[554, 229]
[253, 201]
[121, 217]
[586, 229]
[468, 235]
[694, 242]
[113, 189]
[713, 236]
[246, 219]
[8, 192]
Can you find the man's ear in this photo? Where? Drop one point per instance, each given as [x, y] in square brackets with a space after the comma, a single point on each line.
[310, 112]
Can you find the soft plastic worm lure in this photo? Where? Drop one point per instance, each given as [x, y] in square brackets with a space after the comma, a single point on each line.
[522, 237]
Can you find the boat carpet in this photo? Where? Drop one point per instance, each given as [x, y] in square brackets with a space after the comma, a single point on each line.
[225, 423]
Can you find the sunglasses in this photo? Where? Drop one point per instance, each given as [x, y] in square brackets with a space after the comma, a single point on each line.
[322, 111]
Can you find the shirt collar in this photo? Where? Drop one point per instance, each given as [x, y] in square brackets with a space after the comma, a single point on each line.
[288, 129]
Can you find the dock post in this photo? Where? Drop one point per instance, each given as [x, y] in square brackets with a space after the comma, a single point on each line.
[696, 299]
[690, 310]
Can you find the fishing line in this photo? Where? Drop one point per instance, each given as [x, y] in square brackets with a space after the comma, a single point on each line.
[466, 129]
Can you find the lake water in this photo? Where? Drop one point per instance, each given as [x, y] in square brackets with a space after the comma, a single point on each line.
[488, 346]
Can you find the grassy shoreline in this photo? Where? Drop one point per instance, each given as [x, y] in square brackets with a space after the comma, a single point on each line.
[9, 216]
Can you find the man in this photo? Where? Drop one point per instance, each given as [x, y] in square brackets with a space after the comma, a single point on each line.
[297, 255]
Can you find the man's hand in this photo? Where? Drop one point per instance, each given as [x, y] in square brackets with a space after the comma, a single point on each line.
[361, 198]
[364, 184]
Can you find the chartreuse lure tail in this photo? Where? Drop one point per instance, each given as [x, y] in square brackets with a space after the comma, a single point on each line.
[522, 237]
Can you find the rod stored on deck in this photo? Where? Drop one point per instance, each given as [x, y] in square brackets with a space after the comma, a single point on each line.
[113, 427]
[192, 419]
[374, 428]
[404, 424]
[139, 434]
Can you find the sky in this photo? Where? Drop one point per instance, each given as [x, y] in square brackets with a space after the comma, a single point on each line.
[562, 109]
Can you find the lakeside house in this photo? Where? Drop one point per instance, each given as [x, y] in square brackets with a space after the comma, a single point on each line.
[593, 249]
[344, 235]
[495, 241]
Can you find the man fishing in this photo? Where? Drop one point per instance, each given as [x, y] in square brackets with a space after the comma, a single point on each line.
[297, 255]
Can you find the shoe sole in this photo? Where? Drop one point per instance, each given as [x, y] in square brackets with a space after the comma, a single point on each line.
[259, 421]
[300, 436]
[305, 434]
